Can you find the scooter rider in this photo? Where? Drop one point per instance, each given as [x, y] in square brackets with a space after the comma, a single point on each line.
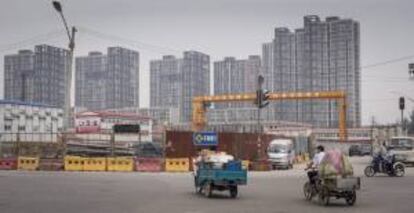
[383, 150]
[314, 164]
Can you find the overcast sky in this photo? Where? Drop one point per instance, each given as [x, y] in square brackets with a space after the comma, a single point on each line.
[220, 28]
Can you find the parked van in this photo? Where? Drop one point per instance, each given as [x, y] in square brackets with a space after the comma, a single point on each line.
[281, 153]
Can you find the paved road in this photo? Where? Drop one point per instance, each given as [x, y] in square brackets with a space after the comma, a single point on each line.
[274, 192]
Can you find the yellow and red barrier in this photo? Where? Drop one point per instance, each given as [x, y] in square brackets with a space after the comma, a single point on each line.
[94, 164]
[148, 164]
[8, 164]
[27, 163]
[177, 165]
[120, 164]
[245, 164]
[73, 163]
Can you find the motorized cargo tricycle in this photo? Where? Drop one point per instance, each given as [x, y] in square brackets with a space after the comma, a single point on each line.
[212, 176]
[336, 187]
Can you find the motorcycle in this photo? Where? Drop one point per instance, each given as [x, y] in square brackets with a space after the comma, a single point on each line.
[388, 165]
[338, 187]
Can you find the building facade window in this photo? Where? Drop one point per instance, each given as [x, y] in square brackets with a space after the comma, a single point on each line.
[7, 128]
[22, 128]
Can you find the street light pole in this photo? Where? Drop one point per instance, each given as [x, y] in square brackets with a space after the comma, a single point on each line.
[68, 78]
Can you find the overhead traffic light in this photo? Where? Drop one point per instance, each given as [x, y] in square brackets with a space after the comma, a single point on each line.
[265, 98]
[262, 98]
[402, 103]
[207, 105]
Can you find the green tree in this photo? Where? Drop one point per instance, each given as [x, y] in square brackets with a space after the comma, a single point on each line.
[410, 125]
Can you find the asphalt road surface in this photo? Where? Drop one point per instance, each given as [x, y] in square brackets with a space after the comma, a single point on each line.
[270, 192]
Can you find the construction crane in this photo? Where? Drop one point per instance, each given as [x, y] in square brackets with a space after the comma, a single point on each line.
[199, 120]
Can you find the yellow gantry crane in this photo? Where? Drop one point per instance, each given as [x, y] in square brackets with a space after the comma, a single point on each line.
[199, 110]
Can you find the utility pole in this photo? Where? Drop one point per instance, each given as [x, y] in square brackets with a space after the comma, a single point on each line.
[260, 81]
[372, 130]
[18, 143]
[402, 107]
[68, 74]
[261, 101]
[112, 141]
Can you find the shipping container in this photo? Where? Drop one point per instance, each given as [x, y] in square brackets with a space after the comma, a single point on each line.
[245, 146]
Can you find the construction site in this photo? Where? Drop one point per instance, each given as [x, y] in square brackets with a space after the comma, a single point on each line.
[173, 148]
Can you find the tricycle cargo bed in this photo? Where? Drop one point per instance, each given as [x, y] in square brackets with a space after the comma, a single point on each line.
[343, 183]
[219, 176]
[223, 176]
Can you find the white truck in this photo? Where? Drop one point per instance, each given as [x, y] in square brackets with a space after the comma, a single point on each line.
[281, 153]
[402, 147]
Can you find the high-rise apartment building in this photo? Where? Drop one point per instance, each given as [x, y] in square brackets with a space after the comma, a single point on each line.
[166, 81]
[174, 82]
[37, 76]
[108, 81]
[267, 65]
[196, 80]
[321, 56]
[252, 68]
[233, 76]
[284, 72]
[18, 76]
[91, 76]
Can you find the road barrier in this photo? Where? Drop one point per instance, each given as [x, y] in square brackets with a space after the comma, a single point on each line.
[148, 164]
[8, 164]
[262, 165]
[300, 159]
[27, 163]
[245, 164]
[74, 163]
[94, 164]
[177, 165]
[51, 164]
[306, 158]
[120, 164]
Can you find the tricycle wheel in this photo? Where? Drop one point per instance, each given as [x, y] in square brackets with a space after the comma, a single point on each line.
[369, 171]
[307, 191]
[207, 189]
[351, 198]
[198, 190]
[233, 191]
[399, 170]
[324, 196]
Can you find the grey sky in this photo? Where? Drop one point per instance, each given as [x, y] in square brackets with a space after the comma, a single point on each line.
[223, 28]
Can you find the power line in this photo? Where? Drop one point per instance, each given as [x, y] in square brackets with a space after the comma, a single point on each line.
[387, 62]
[32, 41]
[141, 45]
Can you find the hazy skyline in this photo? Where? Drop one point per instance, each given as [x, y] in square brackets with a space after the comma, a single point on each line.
[221, 28]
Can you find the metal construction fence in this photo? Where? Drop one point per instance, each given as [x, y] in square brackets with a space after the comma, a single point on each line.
[80, 152]
[59, 144]
[109, 152]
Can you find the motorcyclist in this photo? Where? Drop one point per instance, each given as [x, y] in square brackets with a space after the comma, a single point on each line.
[384, 157]
[383, 150]
[314, 164]
[389, 158]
